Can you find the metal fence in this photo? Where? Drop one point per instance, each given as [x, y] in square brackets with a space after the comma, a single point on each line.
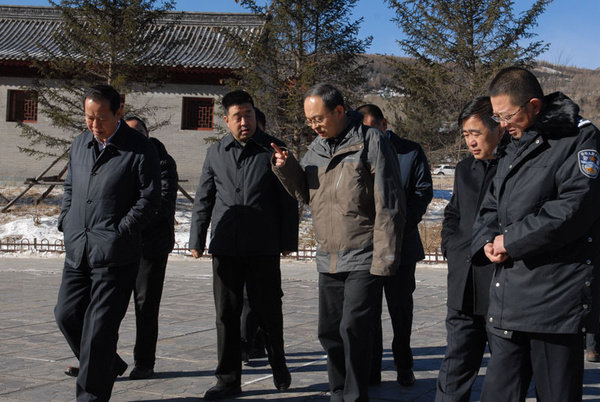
[43, 245]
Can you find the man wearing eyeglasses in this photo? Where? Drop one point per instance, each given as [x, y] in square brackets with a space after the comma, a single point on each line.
[540, 224]
[350, 177]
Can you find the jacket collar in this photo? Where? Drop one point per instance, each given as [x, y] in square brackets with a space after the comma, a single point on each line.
[259, 138]
[116, 140]
[483, 165]
[352, 135]
[559, 116]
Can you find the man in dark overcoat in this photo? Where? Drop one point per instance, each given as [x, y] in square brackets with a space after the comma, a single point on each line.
[252, 221]
[158, 239]
[468, 286]
[111, 192]
[540, 223]
[399, 288]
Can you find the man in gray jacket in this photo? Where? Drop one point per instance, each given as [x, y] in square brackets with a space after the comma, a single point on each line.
[252, 219]
[111, 192]
[350, 177]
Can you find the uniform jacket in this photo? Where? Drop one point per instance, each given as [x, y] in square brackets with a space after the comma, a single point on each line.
[252, 214]
[158, 237]
[356, 199]
[418, 190]
[545, 200]
[108, 199]
[468, 286]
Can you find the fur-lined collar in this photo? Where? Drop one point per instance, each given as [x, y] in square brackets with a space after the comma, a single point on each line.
[559, 116]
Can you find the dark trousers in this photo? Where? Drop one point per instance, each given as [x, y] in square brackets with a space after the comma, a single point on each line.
[347, 312]
[146, 295]
[554, 360]
[252, 336]
[398, 294]
[466, 339]
[91, 305]
[592, 342]
[262, 277]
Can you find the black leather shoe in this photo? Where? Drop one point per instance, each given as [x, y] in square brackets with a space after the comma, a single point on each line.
[72, 371]
[141, 373]
[282, 379]
[222, 391]
[406, 378]
[120, 367]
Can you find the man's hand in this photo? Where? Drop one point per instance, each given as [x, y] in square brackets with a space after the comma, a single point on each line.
[280, 155]
[495, 251]
[197, 253]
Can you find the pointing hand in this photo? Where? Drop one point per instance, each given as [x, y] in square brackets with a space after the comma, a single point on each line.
[280, 155]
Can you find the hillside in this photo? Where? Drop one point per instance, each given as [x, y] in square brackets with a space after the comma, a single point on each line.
[581, 85]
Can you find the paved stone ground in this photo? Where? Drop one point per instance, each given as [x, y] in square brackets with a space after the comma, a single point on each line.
[33, 353]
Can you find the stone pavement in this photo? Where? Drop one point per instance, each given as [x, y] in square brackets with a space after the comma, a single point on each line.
[33, 353]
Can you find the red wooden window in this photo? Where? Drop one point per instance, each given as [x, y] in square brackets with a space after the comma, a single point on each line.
[198, 113]
[22, 106]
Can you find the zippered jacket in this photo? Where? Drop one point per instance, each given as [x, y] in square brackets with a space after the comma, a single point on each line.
[356, 199]
[545, 200]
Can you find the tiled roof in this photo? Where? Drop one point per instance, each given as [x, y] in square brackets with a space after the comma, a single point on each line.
[26, 30]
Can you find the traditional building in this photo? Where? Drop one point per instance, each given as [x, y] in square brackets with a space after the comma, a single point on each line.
[197, 69]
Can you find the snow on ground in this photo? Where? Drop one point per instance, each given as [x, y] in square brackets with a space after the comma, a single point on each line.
[45, 227]
[30, 227]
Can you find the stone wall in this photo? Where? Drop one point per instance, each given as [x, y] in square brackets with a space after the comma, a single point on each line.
[188, 147]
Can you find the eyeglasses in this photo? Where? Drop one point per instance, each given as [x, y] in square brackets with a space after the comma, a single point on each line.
[316, 121]
[506, 120]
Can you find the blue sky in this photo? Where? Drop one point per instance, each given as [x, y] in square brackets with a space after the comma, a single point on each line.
[570, 26]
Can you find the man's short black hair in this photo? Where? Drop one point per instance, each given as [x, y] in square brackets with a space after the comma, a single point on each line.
[260, 117]
[518, 83]
[371, 110]
[237, 97]
[481, 108]
[100, 93]
[139, 120]
[331, 96]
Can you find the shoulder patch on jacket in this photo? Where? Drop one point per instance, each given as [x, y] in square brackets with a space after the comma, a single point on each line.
[589, 162]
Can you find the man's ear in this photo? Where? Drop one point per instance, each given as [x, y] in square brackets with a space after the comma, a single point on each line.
[384, 124]
[537, 105]
[339, 109]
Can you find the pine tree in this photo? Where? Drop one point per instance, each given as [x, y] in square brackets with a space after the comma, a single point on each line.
[100, 42]
[303, 42]
[454, 49]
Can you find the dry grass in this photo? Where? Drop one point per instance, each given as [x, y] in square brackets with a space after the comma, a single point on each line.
[431, 235]
[29, 205]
